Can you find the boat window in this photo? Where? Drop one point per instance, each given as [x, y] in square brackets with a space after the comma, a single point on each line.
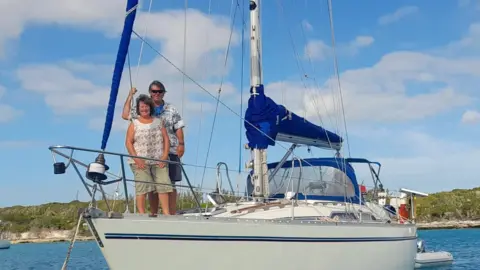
[315, 180]
[367, 216]
[343, 216]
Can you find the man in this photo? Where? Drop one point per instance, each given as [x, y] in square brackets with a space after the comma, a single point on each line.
[174, 125]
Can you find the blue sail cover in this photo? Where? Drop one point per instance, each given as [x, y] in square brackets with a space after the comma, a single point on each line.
[131, 12]
[273, 119]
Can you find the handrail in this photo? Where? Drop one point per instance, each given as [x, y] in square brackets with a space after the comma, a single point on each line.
[219, 182]
[55, 149]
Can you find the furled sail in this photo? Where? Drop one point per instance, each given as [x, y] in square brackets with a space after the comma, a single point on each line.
[282, 125]
[131, 12]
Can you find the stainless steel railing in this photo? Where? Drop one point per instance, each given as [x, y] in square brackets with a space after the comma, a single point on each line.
[60, 168]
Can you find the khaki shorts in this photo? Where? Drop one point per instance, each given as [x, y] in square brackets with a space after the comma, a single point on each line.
[152, 174]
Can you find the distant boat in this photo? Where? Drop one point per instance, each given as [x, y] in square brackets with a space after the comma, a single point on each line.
[4, 244]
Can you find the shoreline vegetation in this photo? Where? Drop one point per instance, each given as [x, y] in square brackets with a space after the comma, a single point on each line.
[56, 222]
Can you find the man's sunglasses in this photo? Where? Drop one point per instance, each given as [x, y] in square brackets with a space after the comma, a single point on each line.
[157, 91]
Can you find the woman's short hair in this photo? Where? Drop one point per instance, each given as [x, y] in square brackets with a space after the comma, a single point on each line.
[148, 101]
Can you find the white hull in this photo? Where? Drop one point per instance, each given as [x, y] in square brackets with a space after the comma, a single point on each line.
[4, 244]
[433, 259]
[182, 243]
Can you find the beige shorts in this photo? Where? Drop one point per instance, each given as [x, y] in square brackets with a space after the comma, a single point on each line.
[152, 174]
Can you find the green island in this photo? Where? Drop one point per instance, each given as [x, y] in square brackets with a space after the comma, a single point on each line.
[459, 208]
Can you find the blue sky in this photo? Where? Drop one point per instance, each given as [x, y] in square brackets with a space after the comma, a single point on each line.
[409, 73]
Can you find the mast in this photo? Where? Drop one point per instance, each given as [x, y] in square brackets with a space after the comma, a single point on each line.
[260, 179]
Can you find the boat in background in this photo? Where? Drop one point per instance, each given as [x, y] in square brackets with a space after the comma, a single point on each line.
[4, 244]
[427, 259]
[297, 213]
[398, 207]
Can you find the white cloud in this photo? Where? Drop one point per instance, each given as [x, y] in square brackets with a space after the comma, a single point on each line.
[59, 85]
[107, 17]
[469, 44]
[7, 112]
[15, 16]
[319, 50]
[469, 3]
[307, 26]
[379, 93]
[398, 15]
[401, 86]
[86, 86]
[471, 117]
[358, 43]
[430, 162]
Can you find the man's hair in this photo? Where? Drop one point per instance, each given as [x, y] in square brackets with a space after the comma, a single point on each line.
[157, 84]
[148, 101]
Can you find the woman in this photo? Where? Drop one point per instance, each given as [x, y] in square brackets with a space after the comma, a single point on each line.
[147, 137]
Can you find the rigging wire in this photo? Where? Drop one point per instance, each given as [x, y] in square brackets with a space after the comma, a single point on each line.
[316, 84]
[241, 87]
[199, 133]
[336, 68]
[300, 66]
[335, 62]
[184, 54]
[337, 73]
[143, 42]
[132, 102]
[208, 92]
[213, 96]
[207, 38]
[220, 87]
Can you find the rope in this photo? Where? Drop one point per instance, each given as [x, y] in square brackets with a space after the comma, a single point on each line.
[72, 242]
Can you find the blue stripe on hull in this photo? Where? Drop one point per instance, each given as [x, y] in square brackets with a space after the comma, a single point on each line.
[218, 238]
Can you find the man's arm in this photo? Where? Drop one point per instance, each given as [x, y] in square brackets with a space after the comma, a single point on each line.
[166, 143]
[127, 106]
[178, 125]
[179, 134]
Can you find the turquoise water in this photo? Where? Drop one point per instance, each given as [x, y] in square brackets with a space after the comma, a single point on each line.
[463, 244]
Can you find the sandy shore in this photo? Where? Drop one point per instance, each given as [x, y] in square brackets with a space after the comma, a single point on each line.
[449, 225]
[50, 240]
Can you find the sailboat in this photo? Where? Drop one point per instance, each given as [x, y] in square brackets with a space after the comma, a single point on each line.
[4, 243]
[292, 218]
